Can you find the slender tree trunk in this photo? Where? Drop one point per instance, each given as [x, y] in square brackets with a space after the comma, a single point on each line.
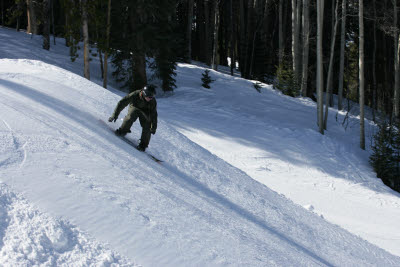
[396, 63]
[232, 41]
[374, 89]
[200, 26]
[107, 44]
[46, 24]
[66, 35]
[249, 37]
[295, 40]
[330, 70]
[18, 24]
[361, 72]
[101, 63]
[207, 32]
[342, 47]
[281, 39]
[85, 32]
[242, 38]
[52, 21]
[31, 14]
[253, 45]
[215, 62]
[2, 12]
[306, 46]
[320, 74]
[299, 41]
[19, 7]
[189, 32]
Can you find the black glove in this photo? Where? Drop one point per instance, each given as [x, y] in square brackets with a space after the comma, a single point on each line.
[153, 130]
[112, 119]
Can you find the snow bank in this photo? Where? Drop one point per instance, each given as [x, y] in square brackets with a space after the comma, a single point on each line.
[30, 237]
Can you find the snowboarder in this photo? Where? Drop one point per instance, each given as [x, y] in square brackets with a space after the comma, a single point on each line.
[142, 105]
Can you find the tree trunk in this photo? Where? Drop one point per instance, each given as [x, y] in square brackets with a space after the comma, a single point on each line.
[242, 38]
[101, 64]
[330, 70]
[248, 38]
[342, 43]
[52, 21]
[260, 23]
[281, 39]
[31, 14]
[107, 44]
[306, 46]
[396, 63]
[215, 62]
[320, 74]
[232, 41]
[374, 88]
[295, 41]
[2, 12]
[361, 72]
[20, 6]
[207, 32]
[46, 24]
[188, 56]
[85, 33]
[298, 46]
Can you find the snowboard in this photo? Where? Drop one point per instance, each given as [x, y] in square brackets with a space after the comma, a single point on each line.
[132, 143]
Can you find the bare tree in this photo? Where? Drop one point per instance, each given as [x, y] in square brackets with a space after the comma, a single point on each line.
[232, 39]
[320, 74]
[207, 32]
[361, 72]
[396, 62]
[214, 63]
[46, 24]
[52, 21]
[85, 33]
[342, 43]
[2, 12]
[295, 40]
[31, 14]
[107, 44]
[306, 45]
[189, 32]
[374, 89]
[330, 70]
[281, 39]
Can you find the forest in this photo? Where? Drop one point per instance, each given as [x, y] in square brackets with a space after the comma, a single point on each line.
[314, 49]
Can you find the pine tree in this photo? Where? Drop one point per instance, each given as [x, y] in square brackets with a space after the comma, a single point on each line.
[285, 81]
[206, 79]
[385, 158]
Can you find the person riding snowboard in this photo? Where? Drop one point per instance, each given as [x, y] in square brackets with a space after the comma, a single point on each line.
[142, 105]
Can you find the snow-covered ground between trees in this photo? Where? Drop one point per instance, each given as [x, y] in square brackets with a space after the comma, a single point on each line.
[247, 180]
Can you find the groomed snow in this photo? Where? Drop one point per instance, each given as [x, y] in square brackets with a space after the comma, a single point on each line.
[94, 200]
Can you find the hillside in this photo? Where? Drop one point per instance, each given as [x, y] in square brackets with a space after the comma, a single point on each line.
[238, 168]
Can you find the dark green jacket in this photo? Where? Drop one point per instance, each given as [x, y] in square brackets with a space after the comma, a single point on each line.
[135, 99]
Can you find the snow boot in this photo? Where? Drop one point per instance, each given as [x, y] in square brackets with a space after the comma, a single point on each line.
[121, 132]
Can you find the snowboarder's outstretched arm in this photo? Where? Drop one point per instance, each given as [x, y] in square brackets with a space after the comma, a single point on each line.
[120, 106]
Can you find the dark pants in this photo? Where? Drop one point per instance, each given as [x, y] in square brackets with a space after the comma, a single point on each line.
[131, 117]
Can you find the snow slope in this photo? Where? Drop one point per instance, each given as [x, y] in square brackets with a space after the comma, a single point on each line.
[203, 206]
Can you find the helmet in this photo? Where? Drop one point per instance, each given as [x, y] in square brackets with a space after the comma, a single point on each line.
[149, 90]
